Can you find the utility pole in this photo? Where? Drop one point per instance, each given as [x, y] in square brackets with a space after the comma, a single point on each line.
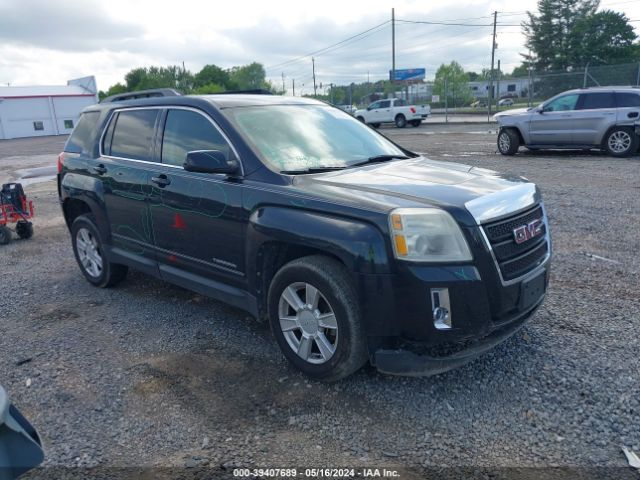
[331, 92]
[283, 89]
[293, 84]
[393, 47]
[530, 89]
[493, 54]
[498, 85]
[446, 105]
[313, 66]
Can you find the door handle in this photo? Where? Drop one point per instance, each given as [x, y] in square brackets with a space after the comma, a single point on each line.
[100, 169]
[632, 115]
[161, 180]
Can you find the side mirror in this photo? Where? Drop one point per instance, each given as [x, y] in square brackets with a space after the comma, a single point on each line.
[540, 110]
[368, 108]
[211, 161]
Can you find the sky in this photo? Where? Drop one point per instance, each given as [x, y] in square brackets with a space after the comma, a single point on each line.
[48, 42]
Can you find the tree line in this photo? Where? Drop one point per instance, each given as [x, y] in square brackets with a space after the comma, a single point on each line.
[210, 79]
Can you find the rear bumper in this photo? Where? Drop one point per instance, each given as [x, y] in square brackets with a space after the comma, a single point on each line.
[410, 361]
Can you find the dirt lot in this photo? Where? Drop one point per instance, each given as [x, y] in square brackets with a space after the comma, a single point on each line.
[150, 375]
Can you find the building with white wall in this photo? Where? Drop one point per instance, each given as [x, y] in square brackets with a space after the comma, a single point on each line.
[44, 110]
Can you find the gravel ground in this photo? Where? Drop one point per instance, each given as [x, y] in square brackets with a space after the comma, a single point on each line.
[151, 375]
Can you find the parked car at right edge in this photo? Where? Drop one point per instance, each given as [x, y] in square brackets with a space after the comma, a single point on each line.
[393, 110]
[606, 118]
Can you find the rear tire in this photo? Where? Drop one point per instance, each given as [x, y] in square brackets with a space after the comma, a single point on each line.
[88, 249]
[508, 142]
[5, 235]
[401, 121]
[415, 123]
[24, 229]
[315, 317]
[621, 142]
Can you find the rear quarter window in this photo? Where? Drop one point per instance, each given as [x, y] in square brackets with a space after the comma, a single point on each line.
[599, 100]
[83, 136]
[627, 99]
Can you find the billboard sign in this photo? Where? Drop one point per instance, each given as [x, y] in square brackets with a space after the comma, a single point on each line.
[408, 74]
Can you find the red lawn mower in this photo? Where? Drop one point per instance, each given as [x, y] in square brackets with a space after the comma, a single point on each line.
[15, 208]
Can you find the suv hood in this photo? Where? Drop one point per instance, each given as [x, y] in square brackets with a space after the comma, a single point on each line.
[512, 112]
[413, 183]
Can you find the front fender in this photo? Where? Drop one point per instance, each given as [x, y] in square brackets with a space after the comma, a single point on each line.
[359, 245]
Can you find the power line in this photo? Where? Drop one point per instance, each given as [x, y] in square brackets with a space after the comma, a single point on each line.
[317, 52]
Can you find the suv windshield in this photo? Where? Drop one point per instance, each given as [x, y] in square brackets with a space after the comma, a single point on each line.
[303, 137]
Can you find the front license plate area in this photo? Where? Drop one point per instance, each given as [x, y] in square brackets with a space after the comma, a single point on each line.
[531, 290]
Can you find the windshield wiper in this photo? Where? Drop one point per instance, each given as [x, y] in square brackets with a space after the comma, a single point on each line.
[379, 159]
[311, 170]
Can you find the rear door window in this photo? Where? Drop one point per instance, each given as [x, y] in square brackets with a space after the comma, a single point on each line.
[597, 100]
[82, 137]
[385, 104]
[626, 99]
[186, 131]
[133, 134]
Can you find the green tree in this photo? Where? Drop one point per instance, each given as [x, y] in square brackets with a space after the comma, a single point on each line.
[520, 71]
[113, 90]
[457, 84]
[173, 76]
[249, 77]
[212, 74]
[606, 37]
[550, 32]
[209, 88]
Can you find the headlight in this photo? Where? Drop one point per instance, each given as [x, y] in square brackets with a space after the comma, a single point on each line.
[427, 235]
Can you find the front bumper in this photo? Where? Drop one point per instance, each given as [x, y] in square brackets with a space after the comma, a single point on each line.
[402, 332]
[410, 361]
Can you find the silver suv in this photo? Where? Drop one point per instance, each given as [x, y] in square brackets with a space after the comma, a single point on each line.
[606, 118]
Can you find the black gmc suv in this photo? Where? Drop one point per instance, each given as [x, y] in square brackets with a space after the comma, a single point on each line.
[352, 247]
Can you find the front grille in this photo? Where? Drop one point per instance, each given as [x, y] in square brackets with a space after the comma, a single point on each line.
[516, 260]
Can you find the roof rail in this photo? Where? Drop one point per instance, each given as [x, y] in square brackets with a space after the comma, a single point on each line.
[154, 92]
[256, 91]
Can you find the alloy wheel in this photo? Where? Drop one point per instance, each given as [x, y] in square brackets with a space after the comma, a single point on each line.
[308, 322]
[619, 141]
[89, 252]
[504, 142]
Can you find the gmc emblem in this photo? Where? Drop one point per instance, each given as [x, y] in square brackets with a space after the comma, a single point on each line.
[528, 231]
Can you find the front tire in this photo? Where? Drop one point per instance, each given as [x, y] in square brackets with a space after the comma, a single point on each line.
[621, 142]
[5, 235]
[508, 142]
[314, 315]
[361, 119]
[24, 229]
[401, 121]
[88, 249]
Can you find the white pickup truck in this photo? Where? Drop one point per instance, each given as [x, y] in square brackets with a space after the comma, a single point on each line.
[393, 110]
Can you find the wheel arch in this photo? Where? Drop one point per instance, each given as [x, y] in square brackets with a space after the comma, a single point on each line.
[277, 235]
[518, 132]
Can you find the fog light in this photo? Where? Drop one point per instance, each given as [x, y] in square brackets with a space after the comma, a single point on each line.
[441, 308]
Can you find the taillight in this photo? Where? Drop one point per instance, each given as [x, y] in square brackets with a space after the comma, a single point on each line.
[413, 110]
[60, 162]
